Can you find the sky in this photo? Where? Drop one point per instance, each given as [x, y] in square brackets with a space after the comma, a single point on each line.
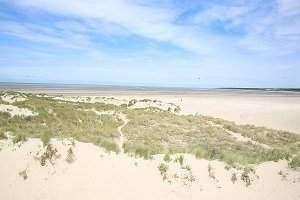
[181, 43]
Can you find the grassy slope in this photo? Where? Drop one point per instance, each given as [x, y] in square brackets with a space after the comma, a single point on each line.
[151, 131]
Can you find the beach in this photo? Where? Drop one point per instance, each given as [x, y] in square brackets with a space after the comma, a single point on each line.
[104, 142]
[272, 109]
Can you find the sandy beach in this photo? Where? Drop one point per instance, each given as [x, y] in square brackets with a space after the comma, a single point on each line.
[280, 112]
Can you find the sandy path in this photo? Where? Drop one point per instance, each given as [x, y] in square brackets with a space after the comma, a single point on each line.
[122, 138]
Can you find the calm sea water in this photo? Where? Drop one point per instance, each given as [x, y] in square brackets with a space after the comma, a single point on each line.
[102, 89]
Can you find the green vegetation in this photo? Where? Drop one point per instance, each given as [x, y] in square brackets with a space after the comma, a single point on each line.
[167, 158]
[66, 120]
[150, 131]
[45, 137]
[163, 168]
[158, 131]
[295, 163]
[179, 159]
[19, 138]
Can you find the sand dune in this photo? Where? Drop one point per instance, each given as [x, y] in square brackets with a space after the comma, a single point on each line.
[95, 174]
[76, 170]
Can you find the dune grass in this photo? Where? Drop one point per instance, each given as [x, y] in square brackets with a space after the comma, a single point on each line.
[151, 131]
[65, 120]
[163, 132]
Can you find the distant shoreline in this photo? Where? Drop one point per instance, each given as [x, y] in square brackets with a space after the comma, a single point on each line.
[58, 88]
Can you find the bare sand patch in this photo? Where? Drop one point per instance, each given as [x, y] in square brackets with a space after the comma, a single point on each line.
[90, 99]
[12, 98]
[16, 111]
[95, 174]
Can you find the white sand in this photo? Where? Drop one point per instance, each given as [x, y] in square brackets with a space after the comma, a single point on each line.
[272, 111]
[16, 111]
[97, 175]
[12, 98]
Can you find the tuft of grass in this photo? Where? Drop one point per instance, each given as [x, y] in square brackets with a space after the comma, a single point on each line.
[46, 137]
[179, 159]
[167, 158]
[295, 163]
[110, 146]
[19, 138]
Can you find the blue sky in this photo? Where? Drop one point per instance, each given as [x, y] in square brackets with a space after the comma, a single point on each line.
[161, 43]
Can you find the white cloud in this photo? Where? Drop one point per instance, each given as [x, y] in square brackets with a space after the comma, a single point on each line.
[127, 17]
[269, 32]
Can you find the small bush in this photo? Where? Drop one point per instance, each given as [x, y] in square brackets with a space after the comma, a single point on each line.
[163, 168]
